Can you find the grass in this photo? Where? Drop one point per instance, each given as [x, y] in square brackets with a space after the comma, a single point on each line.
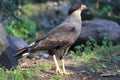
[92, 51]
[17, 74]
[46, 67]
[22, 73]
[96, 57]
[106, 53]
[86, 56]
[57, 77]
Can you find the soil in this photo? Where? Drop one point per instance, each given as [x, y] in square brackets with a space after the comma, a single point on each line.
[81, 70]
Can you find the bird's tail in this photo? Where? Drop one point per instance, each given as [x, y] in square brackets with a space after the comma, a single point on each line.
[21, 53]
[25, 51]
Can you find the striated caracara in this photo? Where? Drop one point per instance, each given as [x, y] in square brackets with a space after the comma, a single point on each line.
[58, 40]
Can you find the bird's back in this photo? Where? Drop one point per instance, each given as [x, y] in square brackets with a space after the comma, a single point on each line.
[64, 34]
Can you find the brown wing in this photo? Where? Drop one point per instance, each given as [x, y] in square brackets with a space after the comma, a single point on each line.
[62, 35]
[63, 28]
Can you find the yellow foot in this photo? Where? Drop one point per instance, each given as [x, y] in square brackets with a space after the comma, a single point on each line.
[66, 73]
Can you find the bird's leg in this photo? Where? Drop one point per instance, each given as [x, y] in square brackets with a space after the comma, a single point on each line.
[63, 67]
[56, 64]
[63, 64]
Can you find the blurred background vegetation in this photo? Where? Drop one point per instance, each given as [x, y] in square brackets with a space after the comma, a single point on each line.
[29, 19]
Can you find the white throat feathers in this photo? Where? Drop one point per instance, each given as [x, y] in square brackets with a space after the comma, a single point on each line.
[75, 15]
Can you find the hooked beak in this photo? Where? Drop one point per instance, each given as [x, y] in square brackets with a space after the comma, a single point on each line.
[82, 7]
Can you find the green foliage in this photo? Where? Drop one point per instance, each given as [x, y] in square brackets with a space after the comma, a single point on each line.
[101, 11]
[96, 67]
[2, 74]
[105, 10]
[31, 9]
[107, 45]
[117, 58]
[78, 49]
[57, 77]
[45, 67]
[92, 51]
[27, 1]
[25, 29]
[16, 74]
[24, 2]
[8, 8]
[90, 56]
[25, 73]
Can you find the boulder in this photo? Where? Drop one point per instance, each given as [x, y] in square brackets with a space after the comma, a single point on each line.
[7, 59]
[18, 42]
[97, 28]
[3, 41]
[8, 46]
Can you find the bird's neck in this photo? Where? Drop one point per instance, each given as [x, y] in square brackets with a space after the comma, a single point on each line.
[75, 15]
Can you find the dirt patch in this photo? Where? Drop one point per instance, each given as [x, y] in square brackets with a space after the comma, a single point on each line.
[92, 70]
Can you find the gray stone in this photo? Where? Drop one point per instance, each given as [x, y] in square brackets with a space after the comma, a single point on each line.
[18, 42]
[8, 46]
[7, 59]
[97, 28]
[3, 40]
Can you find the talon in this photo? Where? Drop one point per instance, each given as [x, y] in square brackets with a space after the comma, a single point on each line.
[67, 73]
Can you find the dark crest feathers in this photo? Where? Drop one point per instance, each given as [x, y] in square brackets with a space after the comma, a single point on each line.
[73, 8]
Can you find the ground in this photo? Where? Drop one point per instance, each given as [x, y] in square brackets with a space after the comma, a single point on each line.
[82, 70]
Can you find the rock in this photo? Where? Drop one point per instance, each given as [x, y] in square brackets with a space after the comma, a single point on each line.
[7, 59]
[19, 43]
[97, 28]
[8, 46]
[3, 41]
[44, 55]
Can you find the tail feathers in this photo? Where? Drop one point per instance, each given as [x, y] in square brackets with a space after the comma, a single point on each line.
[24, 51]
[21, 53]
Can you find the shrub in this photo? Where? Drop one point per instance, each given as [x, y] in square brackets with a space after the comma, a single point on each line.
[25, 29]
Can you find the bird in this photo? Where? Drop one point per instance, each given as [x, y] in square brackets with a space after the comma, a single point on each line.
[59, 39]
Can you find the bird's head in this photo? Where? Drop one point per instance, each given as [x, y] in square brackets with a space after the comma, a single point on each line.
[75, 10]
